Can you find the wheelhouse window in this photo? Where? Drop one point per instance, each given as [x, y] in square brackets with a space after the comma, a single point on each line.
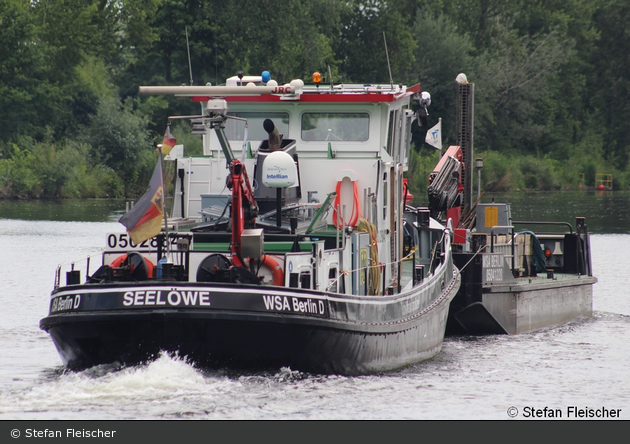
[335, 126]
[235, 129]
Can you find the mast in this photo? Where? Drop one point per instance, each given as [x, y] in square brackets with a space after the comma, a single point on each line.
[465, 120]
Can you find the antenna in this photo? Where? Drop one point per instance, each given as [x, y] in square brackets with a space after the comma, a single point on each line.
[391, 81]
[189, 65]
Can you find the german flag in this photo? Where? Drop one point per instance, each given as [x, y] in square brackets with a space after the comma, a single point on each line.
[169, 141]
[144, 220]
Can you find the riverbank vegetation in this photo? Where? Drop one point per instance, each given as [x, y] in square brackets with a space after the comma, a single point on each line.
[551, 84]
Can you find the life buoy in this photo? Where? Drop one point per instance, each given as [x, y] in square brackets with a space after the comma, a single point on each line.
[406, 193]
[356, 207]
[150, 267]
[270, 263]
[117, 263]
[120, 260]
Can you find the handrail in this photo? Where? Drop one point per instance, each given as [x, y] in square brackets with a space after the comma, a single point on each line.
[492, 240]
[527, 222]
[492, 235]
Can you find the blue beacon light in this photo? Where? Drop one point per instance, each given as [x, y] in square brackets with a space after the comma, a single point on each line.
[266, 76]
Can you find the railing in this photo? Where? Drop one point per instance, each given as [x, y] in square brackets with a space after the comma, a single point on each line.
[509, 227]
[526, 222]
[73, 276]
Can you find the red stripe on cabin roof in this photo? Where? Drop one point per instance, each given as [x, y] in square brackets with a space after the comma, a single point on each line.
[365, 97]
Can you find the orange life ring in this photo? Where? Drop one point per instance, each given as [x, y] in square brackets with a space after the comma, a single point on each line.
[356, 207]
[269, 262]
[117, 263]
[406, 193]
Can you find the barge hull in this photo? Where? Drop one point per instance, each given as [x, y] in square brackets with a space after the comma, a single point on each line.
[516, 305]
[520, 309]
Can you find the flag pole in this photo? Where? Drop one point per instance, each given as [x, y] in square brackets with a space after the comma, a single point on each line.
[163, 199]
[440, 122]
[168, 143]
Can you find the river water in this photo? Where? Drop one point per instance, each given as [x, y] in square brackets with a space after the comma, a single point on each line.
[583, 364]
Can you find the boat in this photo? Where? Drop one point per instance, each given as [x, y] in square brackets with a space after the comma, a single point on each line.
[515, 280]
[289, 243]
[516, 276]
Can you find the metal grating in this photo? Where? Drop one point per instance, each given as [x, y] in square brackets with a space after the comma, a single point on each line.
[465, 119]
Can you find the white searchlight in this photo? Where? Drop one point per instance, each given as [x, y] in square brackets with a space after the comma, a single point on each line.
[279, 171]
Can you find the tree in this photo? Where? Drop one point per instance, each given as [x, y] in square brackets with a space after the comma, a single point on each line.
[289, 39]
[120, 140]
[608, 83]
[27, 97]
[362, 44]
[442, 53]
[517, 87]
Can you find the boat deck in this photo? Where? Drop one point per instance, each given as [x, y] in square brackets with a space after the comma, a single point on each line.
[541, 282]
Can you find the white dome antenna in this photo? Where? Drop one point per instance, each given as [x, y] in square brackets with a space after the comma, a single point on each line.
[279, 170]
[461, 78]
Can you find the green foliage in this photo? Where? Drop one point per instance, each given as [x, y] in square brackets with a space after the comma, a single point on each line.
[551, 89]
[420, 167]
[590, 170]
[24, 83]
[15, 174]
[193, 144]
[290, 39]
[118, 137]
[442, 54]
[498, 172]
[53, 170]
[608, 80]
[362, 45]
[515, 83]
[538, 174]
